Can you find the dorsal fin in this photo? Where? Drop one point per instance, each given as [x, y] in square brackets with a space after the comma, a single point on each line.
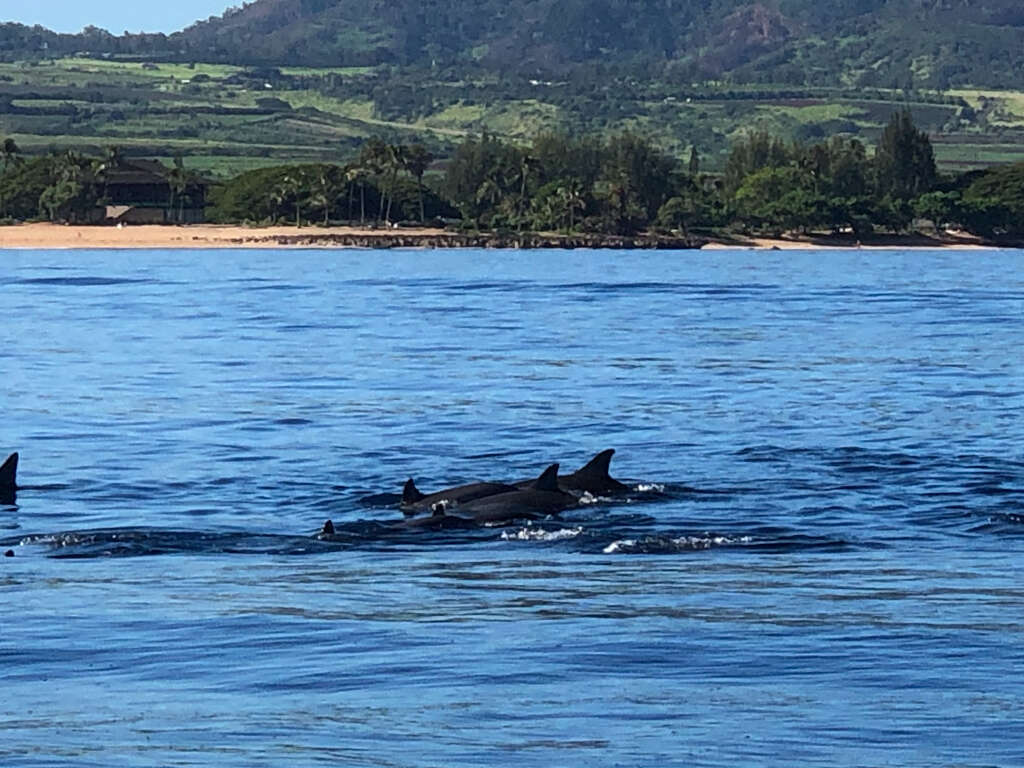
[328, 529]
[9, 472]
[410, 493]
[597, 467]
[548, 480]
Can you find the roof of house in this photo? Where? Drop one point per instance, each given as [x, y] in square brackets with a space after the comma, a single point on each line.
[141, 171]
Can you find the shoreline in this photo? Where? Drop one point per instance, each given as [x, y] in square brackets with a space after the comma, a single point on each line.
[44, 236]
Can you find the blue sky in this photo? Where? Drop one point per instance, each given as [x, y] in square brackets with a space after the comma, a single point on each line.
[114, 15]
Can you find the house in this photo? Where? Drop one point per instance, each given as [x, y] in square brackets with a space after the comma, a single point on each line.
[148, 192]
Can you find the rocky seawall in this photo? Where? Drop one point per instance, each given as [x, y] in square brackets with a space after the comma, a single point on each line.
[479, 240]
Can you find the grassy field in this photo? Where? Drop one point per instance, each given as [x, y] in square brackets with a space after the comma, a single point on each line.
[224, 120]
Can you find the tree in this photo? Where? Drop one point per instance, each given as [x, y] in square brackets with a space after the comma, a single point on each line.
[570, 193]
[384, 161]
[177, 180]
[644, 171]
[553, 156]
[394, 162]
[675, 213]
[781, 199]
[322, 196]
[481, 175]
[528, 165]
[356, 175]
[9, 151]
[286, 193]
[938, 207]
[893, 213]
[904, 160]
[72, 192]
[994, 202]
[623, 211]
[750, 154]
[417, 159]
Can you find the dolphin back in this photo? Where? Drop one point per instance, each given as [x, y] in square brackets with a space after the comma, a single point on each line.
[410, 493]
[9, 472]
[548, 480]
[597, 467]
[593, 476]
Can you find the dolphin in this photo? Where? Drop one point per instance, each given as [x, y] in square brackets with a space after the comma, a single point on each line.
[9, 472]
[591, 478]
[438, 520]
[540, 498]
[414, 502]
[8, 479]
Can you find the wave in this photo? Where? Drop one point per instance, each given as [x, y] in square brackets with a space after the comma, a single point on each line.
[134, 542]
[80, 281]
[661, 544]
[648, 545]
[540, 534]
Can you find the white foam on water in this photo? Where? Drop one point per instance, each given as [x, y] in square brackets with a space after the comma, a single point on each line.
[650, 488]
[618, 546]
[677, 544]
[538, 534]
[706, 542]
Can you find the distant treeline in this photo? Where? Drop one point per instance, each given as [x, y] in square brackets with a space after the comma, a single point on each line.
[619, 185]
[626, 184]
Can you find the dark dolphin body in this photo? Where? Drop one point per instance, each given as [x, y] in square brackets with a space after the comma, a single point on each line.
[591, 478]
[414, 502]
[540, 498]
[438, 520]
[8, 480]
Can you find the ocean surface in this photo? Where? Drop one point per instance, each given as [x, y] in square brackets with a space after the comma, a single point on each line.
[818, 563]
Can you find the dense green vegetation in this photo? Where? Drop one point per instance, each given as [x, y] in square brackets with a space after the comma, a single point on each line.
[902, 44]
[309, 81]
[69, 187]
[226, 119]
[622, 185]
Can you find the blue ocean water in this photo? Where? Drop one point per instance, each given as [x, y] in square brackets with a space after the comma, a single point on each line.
[817, 564]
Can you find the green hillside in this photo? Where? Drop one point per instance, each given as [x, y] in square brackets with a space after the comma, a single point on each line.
[309, 80]
[934, 44]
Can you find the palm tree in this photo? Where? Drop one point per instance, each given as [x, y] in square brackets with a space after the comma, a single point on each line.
[68, 194]
[357, 175]
[112, 157]
[293, 186]
[374, 158]
[177, 180]
[417, 159]
[527, 164]
[488, 192]
[394, 161]
[277, 197]
[9, 151]
[287, 190]
[322, 197]
[571, 195]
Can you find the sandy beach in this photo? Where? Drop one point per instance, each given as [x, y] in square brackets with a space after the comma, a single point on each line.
[43, 235]
[47, 236]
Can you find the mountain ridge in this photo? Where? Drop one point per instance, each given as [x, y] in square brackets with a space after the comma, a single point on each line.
[860, 43]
